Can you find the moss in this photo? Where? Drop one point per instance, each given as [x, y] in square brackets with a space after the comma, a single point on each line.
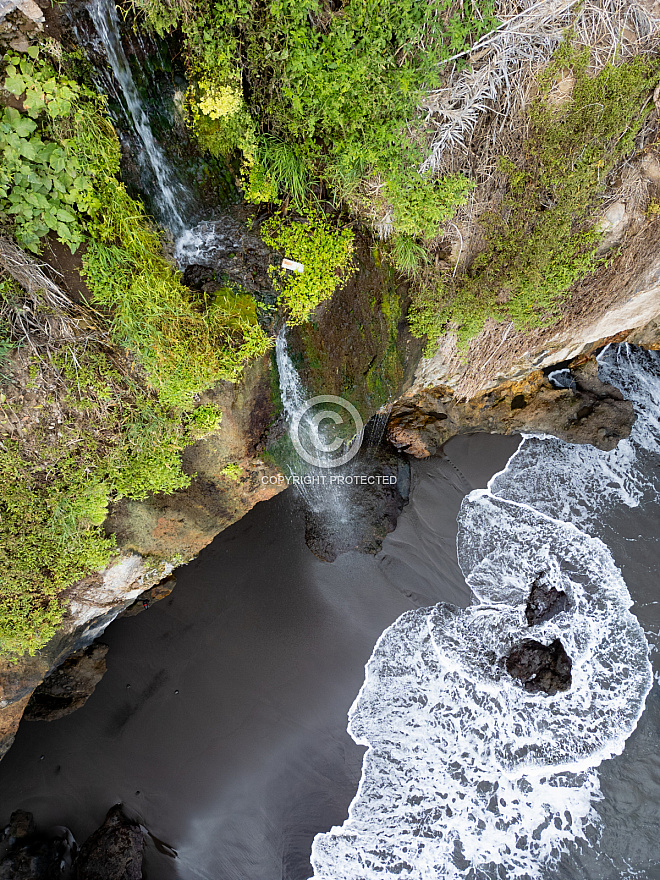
[544, 239]
[123, 393]
[357, 348]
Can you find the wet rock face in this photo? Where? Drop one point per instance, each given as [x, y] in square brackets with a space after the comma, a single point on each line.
[113, 852]
[589, 411]
[69, 686]
[544, 602]
[362, 514]
[224, 251]
[540, 668]
[26, 855]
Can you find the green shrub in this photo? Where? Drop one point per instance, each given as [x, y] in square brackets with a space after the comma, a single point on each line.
[285, 167]
[181, 350]
[203, 420]
[423, 204]
[54, 154]
[335, 91]
[325, 252]
[548, 240]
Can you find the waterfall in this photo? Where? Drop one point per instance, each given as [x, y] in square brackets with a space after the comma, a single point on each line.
[291, 390]
[317, 466]
[170, 193]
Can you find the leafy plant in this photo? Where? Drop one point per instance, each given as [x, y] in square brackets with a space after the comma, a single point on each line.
[423, 204]
[181, 350]
[325, 252]
[233, 471]
[335, 90]
[53, 153]
[408, 255]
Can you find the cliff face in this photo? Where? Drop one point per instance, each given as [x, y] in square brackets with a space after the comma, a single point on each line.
[500, 383]
[156, 535]
[358, 345]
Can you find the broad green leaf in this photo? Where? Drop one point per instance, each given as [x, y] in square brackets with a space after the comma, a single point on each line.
[15, 85]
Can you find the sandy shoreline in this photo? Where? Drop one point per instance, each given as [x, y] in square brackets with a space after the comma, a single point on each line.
[221, 723]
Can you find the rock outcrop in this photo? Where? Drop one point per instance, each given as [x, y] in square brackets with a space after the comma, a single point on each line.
[591, 412]
[69, 686]
[544, 602]
[27, 855]
[500, 382]
[113, 852]
[540, 668]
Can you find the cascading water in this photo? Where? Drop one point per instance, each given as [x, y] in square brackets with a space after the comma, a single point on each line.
[170, 194]
[468, 775]
[312, 476]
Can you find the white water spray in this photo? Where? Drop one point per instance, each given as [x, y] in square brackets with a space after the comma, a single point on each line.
[467, 775]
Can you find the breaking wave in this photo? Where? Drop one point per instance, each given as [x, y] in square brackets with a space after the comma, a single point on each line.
[468, 775]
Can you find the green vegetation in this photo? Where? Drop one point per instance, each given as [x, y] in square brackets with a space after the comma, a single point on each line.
[544, 239]
[324, 251]
[408, 255]
[232, 471]
[181, 350]
[56, 154]
[332, 94]
[116, 395]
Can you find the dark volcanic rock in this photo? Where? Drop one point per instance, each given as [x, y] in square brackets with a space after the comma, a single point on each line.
[69, 686]
[26, 855]
[540, 668]
[357, 516]
[113, 852]
[544, 602]
[199, 277]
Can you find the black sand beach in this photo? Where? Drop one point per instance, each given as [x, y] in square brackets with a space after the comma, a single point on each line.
[221, 722]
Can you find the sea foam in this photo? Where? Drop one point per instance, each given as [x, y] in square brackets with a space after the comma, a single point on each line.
[467, 775]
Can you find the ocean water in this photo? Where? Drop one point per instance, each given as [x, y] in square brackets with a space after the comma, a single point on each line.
[466, 774]
[221, 722]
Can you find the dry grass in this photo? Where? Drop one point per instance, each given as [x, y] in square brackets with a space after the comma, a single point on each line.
[41, 314]
[479, 113]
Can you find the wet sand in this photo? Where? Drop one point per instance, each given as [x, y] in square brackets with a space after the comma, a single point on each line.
[221, 723]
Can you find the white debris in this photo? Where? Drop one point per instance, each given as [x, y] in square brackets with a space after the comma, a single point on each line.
[293, 266]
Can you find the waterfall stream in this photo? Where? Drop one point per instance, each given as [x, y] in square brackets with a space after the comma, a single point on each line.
[313, 473]
[169, 194]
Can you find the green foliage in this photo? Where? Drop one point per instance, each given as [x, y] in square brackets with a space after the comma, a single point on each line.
[220, 118]
[125, 408]
[232, 471]
[335, 90]
[181, 350]
[408, 255]
[203, 420]
[324, 250]
[258, 186]
[285, 167]
[548, 240]
[42, 550]
[54, 153]
[423, 204]
[116, 440]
